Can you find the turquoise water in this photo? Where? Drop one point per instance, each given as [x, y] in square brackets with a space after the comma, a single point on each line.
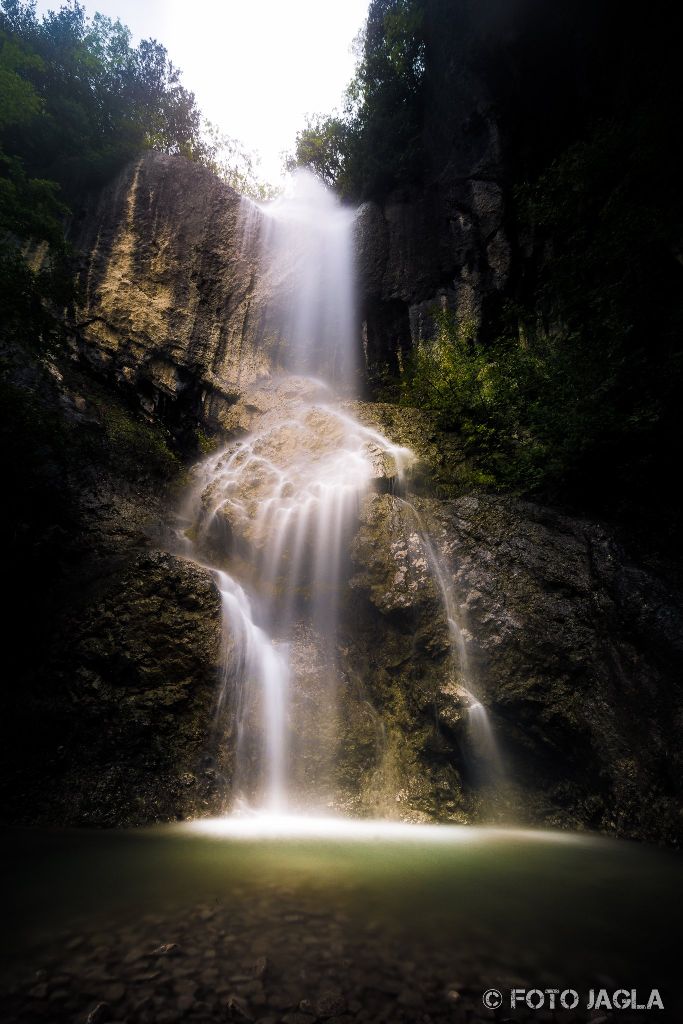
[491, 905]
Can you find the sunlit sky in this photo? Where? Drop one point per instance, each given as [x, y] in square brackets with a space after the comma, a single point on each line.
[257, 67]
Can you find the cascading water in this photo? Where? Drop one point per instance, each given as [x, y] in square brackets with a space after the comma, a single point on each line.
[254, 661]
[304, 242]
[278, 507]
[485, 757]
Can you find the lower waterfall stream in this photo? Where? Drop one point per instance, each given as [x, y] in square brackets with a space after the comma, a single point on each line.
[274, 512]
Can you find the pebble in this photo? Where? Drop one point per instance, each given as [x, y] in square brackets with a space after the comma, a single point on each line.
[146, 976]
[259, 967]
[185, 986]
[330, 1004]
[134, 955]
[99, 1014]
[168, 949]
[238, 1008]
[218, 971]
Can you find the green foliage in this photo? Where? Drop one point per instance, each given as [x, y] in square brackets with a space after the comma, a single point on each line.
[31, 215]
[206, 443]
[324, 145]
[484, 393]
[77, 101]
[83, 101]
[607, 219]
[576, 395]
[375, 143]
[27, 294]
[20, 101]
[133, 446]
[228, 158]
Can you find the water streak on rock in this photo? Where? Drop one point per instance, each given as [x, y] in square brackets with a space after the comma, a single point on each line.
[278, 506]
[485, 756]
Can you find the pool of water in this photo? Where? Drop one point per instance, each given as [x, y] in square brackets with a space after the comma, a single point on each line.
[262, 919]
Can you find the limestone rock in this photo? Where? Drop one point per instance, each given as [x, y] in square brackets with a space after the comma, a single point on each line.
[171, 307]
[574, 649]
[116, 641]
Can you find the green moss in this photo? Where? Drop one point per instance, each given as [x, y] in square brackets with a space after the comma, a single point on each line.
[133, 445]
[207, 444]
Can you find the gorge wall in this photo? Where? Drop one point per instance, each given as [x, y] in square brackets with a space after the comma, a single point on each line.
[575, 643]
[508, 87]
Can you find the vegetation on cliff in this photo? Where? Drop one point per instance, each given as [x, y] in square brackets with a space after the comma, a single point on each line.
[77, 102]
[567, 385]
[375, 142]
[571, 389]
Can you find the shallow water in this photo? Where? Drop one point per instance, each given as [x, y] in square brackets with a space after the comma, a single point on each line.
[392, 922]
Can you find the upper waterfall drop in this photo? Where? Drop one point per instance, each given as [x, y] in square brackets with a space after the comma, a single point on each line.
[303, 242]
[275, 511]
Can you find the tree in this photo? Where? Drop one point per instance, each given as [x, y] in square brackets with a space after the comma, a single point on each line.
[77, 102]
[375, 143]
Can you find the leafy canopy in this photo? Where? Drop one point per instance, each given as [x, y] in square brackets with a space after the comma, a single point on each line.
[77, 102]
[375, 142]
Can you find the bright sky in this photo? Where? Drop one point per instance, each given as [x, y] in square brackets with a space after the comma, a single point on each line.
[257, 67]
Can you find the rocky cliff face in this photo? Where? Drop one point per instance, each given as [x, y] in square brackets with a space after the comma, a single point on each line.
[171, 306]
[508, 86]
[443, 243]
[574, 647]
[575, 651]
[112, 642]
[170, 310]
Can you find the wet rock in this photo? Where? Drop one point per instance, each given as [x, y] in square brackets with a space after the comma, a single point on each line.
[157, 293]
[168, 949]
[559, 648]
[259, 967]
[185, 986]
[237, 1009]
[283, 999]
[99, 1014]
[410, 997]
[134, 956]
[131, 703]
[115, 993]
[330, 1004]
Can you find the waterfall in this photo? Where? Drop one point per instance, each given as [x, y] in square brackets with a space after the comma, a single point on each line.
[304, 245]
[484, 756]
[251, 660]
[274, 512]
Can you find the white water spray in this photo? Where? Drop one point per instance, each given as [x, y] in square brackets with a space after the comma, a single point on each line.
[485, 755]
[304, 242]
[279, 506]
[253, 668]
